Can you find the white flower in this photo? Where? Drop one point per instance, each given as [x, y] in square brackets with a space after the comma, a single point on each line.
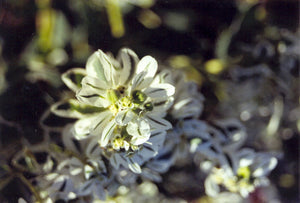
[120, 101]
[240, 172]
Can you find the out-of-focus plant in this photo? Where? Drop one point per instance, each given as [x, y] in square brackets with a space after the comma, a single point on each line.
[259, 81]
[46, 51]
[116, 8]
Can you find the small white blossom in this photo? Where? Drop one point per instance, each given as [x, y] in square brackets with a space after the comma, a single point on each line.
[240, 172]
[120, 101]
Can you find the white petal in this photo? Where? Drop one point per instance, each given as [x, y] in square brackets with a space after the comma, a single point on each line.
[99, 66]
[59, 184]
[139, 140]
[244, 192]
[237, 140]
[144, 127]
[88, 171]
[107, 133]
[158, 123]
[21, 200]
[160, 91]
[116, 160]
[195, 128]
[164, 76]
[86, 188]
[187, 108]
[99, 122]
[58, 110]
[124, 117]
[99, 191]
[126, 145]
[154, 143]
[129, 60]
[97, 84]
[147, 152]
[94, 66]
[264, 166]
[133, 166]
[211, 187]
[77, 73]
[82, 127]
[148, 65]
[93, 150]
[208, 152]
[76, 166]
[157, 139]
[132, 128]
[246, 157]
[91, 96]
[138, 80]
[139, 130]
[67, 137]
[162, 105]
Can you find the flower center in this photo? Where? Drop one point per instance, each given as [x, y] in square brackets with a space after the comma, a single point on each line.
[138, 101]
[244, 173]
[122, 140]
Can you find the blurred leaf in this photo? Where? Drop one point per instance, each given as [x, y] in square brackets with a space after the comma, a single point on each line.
[177, 21]
[149, 19]
[115, 18]
[45, 22]
[275, 118]
[52, 28]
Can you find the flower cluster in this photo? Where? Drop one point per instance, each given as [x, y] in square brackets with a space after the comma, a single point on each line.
[120, 103]
[134, 121]
[239, 170]
[241, 173]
